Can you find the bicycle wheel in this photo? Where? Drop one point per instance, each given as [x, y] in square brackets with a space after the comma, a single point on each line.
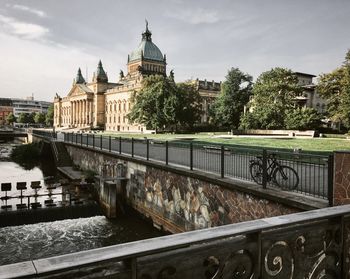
[286, 178]
[256, 171]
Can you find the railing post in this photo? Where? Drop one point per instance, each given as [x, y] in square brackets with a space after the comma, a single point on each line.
[330, 179]
[264, 166]
[101, 142]
[76, 138]
[87, 140]
[166, 152]
[109, 143]
[191, 156]
[132, 147]
[81, 139]
[222, 161]
[147, 149]
[120, 145]
[93, 140]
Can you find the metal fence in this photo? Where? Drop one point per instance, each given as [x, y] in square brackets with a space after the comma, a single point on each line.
[304, 173]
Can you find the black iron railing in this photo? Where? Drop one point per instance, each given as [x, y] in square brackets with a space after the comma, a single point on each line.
[304, 173]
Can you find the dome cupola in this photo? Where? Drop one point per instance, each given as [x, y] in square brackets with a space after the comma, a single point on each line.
[146, 49]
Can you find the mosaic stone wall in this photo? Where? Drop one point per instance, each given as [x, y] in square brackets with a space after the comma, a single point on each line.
[176, 202]
[193, 204]
[341, 178]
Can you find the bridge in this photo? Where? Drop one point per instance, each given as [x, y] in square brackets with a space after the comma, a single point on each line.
[313, 244]
[179, 197]
[6, 135]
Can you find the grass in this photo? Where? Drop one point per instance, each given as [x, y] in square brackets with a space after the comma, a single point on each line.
[307, 144]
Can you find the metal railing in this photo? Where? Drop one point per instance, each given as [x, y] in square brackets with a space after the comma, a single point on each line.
[312, 244]
[304, 173]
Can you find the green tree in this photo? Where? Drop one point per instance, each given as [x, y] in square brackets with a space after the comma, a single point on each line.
[11, 118]
[273, 96]
[155, 104]
[30, 118]
[189, 105]
[49, 116]
[334, 87]
[23, 118]
[235, 92]
[39, 118]
[303, 119]
[162, 104]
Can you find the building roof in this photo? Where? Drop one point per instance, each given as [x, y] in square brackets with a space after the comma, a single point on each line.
[79, 79]
[304, 74]
[209, 85]
[85, 88]
[5, 102]
[146, 49]
[101, 75]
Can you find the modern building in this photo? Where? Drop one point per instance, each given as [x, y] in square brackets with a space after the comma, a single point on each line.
[5, 109]
[29, 105]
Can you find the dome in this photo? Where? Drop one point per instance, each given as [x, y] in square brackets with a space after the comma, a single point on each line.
[146, 49]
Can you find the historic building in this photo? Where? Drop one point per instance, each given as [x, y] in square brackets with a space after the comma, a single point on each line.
[209, 91]
[310, 97]
[102, 104]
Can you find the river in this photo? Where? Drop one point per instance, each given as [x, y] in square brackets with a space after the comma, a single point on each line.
[28, 242]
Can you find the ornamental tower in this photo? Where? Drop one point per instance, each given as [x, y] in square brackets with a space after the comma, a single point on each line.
[147, 58]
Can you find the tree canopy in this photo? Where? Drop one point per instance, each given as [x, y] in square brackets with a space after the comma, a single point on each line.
[39, 118]
[11, 118]
[229, 105]
[25, 118]
[49, 116]
[334, 87]
[161, 104]
[302, 119]
[273, 96]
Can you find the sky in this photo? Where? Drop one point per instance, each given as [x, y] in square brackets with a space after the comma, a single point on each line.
[44, 42]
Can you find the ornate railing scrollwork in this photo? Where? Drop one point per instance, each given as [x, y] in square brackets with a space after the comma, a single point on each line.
[279, 261]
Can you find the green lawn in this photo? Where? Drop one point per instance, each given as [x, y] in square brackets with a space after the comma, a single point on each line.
[307, 144]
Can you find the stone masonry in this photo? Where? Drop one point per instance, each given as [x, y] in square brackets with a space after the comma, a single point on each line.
[176, 202]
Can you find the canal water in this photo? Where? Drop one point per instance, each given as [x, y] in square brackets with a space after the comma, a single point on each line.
[29, 242]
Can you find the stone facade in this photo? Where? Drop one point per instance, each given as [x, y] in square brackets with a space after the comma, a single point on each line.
[105, 105]
[176, 202]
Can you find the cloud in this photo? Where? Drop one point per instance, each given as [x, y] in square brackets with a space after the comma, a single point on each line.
[30, 10]
[22, 29]
[195, 16]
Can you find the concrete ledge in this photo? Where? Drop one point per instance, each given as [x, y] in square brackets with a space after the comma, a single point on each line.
[291, 199]
[23, 269]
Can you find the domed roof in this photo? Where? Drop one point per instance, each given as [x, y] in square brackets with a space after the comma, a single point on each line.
[147, 49]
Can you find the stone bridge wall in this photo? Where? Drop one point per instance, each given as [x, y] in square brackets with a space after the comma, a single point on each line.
[176, 202]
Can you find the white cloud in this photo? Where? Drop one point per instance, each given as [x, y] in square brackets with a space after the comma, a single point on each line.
[30, 10]
[22, 29]
[195, 16]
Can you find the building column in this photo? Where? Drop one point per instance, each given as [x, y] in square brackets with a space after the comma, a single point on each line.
[79, 113]
[86, 112]
[71, 113]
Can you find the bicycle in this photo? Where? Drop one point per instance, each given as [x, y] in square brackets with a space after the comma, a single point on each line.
[283, 176]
